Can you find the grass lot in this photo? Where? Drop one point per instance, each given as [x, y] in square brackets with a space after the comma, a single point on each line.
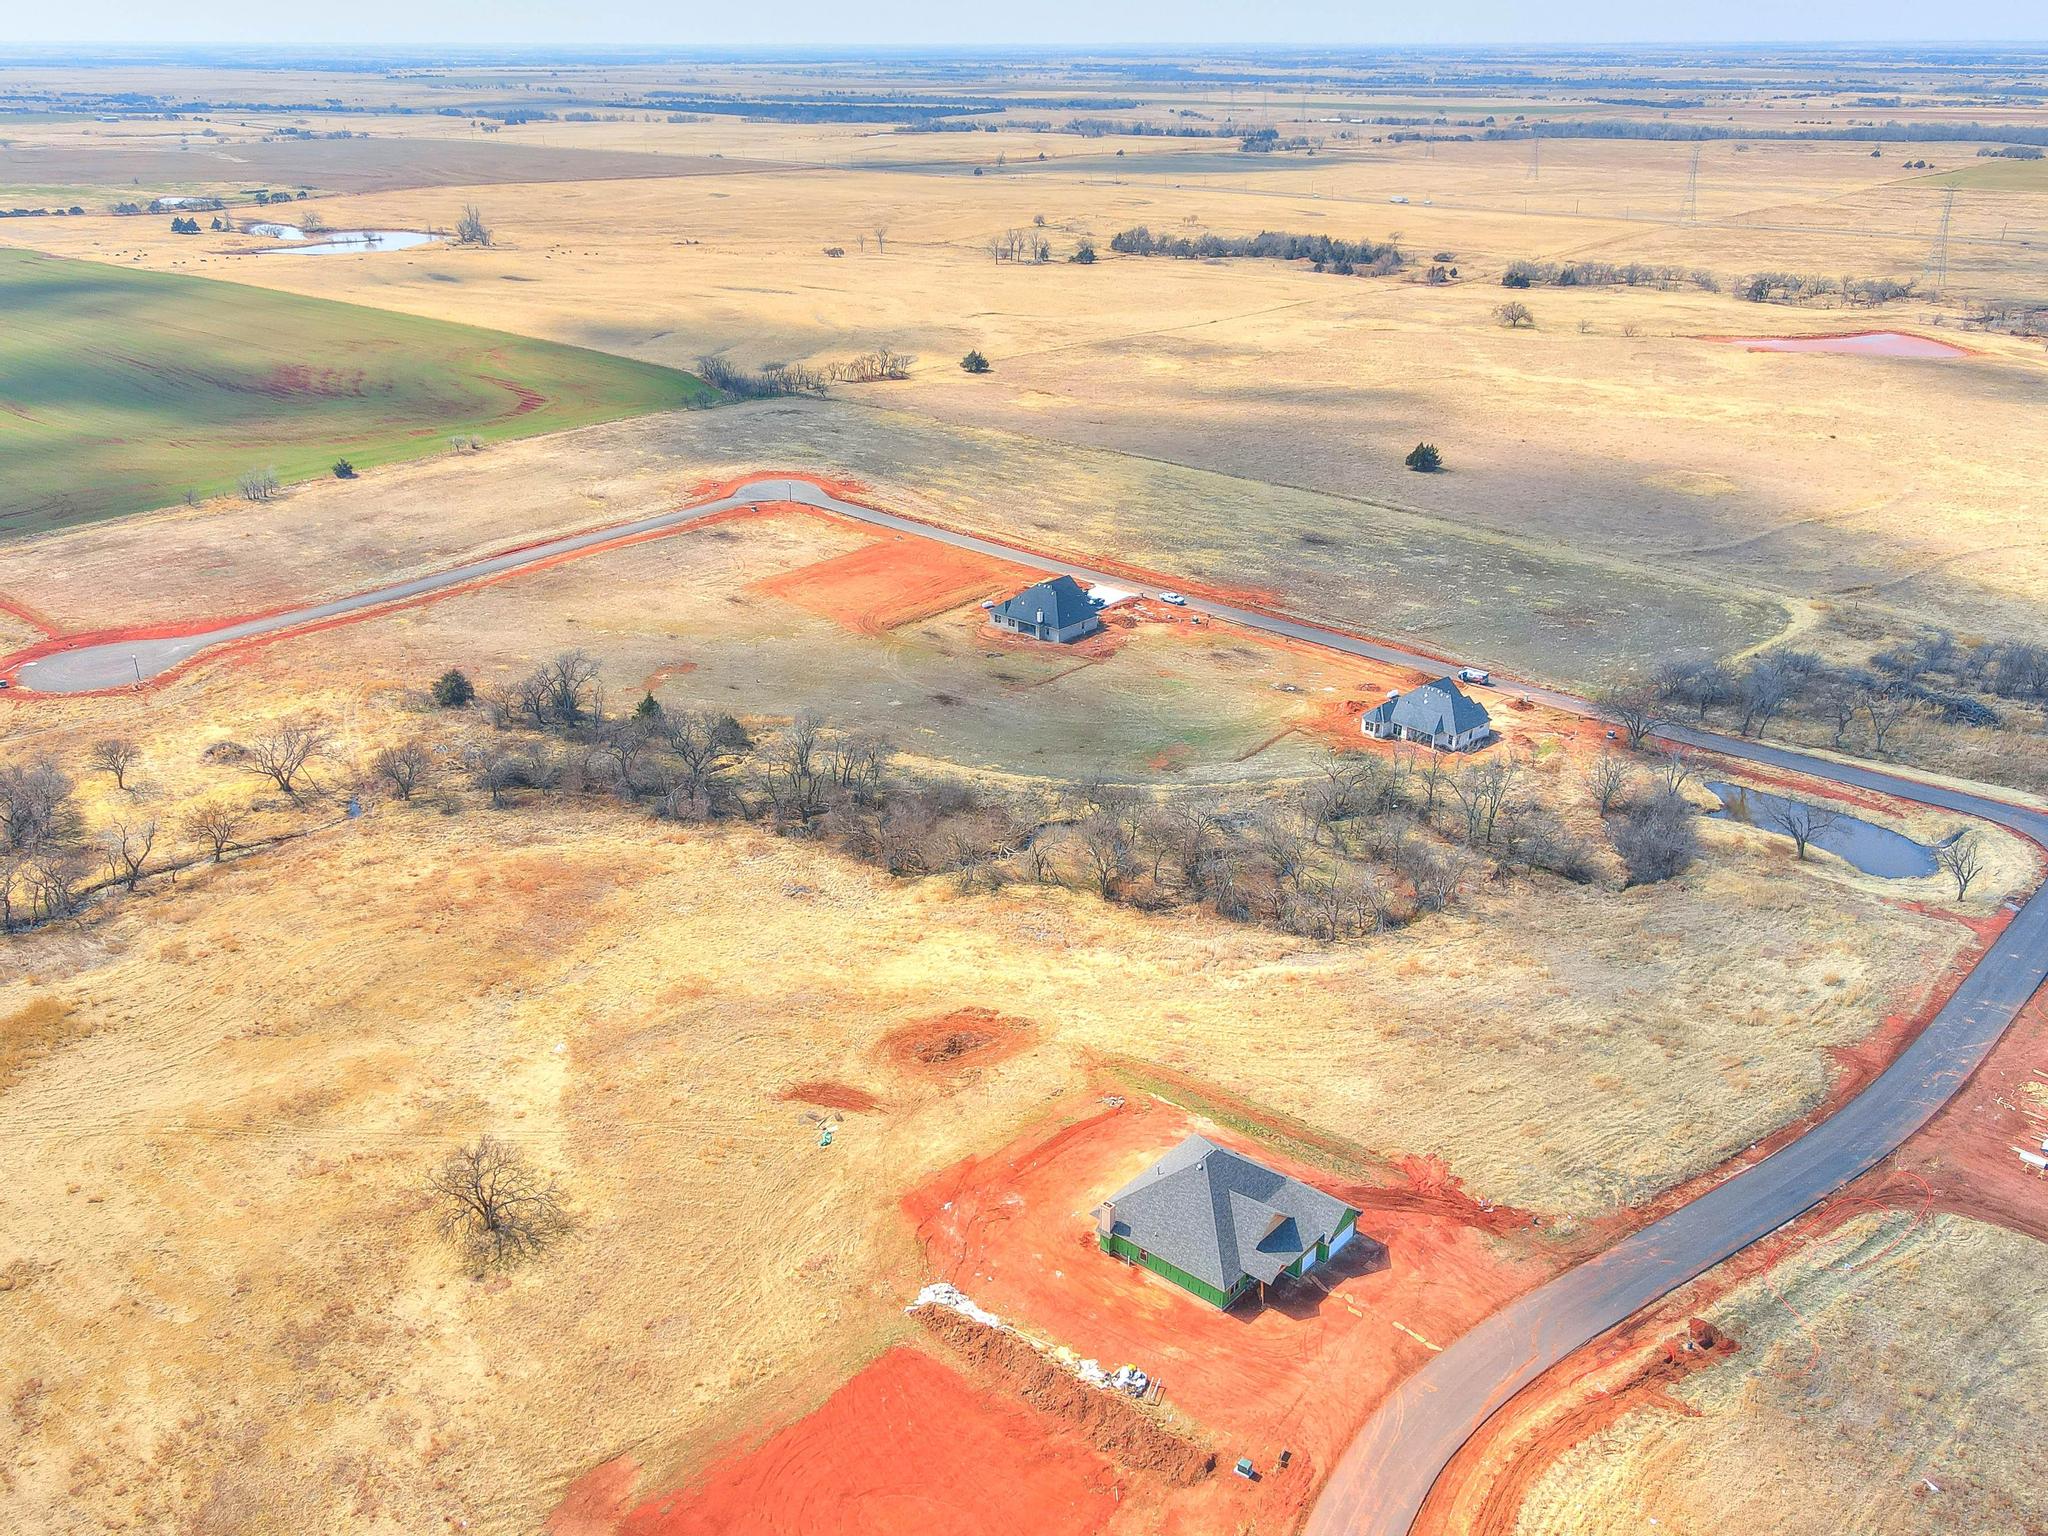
[125, 389]
[1879, 1371]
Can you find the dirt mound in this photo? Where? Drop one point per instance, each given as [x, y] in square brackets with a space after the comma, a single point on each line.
[827, 1094]
[952, 1042]
[1112, 1423]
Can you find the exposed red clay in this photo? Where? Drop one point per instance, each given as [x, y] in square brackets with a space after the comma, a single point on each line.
[662, 674]
[892, 581]
[908, 1447]
[1857, 1066]
[524, 399]
[1105, 641]
[950, 1044]
[1480, 1493]
[827, 1094]
[1014, 1231]
[1967, 1158]
[30, 616]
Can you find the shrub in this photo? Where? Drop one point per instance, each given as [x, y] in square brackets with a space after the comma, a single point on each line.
[1658, 839]
[343, 470]
[1424, 459]
[974, 362]
[453, 689]
[1084, 253]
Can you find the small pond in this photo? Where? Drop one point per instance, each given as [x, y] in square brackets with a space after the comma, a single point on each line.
[1873, 849]
[332, 242]
[1861, 344]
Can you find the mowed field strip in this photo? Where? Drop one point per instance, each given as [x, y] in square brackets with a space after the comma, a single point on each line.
[124, 390]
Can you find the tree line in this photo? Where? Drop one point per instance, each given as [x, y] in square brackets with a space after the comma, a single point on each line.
[1344, 257]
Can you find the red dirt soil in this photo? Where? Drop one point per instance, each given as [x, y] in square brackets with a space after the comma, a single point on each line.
[1481, 1492]
[956, 1042]
[830, 1095]
[893, 581]
[1646, 1387]
[1966, 1159]
[907, 1447]
[1859, 1065]
[1014, 1231]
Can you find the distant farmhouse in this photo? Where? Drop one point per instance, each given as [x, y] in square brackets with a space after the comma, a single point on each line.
[1439, 713]
[1053, 610]
[1218, 1224]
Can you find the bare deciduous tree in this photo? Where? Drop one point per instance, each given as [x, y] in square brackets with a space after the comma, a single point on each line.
[1608, 779]
[495, 1207]
[114, 755]
[213, 825]
[471, 229]
[282, 753]
[35, 805]
[404, 767]
[1106, 847]
[1800, 820]
[1514, 314]
[1633, 707]
[1961, 858]
[126, 847]
[1759, 694]
[1885, 705]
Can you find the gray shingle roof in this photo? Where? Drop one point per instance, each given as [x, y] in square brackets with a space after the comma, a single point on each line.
[1438, 708]
[1221, 1216]
[1057, 603]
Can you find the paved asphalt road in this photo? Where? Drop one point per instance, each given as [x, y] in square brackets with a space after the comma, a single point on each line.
[1380, 1482]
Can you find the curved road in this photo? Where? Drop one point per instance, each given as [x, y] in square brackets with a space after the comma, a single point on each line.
[1378, 1486]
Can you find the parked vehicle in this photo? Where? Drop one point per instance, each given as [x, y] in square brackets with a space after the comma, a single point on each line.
[1475, 675]
[1174, 598]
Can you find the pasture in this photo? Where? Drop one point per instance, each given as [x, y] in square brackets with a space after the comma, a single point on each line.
[122, 390]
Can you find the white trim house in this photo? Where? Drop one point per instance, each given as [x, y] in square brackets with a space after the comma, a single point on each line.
[1439, 713]
[1057, 610]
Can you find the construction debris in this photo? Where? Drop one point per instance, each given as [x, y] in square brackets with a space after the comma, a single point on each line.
[1127, 1379]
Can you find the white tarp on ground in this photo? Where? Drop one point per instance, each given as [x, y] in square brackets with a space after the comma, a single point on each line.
[1106, 595]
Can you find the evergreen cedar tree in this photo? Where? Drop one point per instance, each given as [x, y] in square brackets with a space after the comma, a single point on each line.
[1424, 459]
[452, 690]
[974, 362]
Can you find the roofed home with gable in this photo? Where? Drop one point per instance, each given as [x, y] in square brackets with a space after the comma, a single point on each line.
[1059, 609]
[1440, 713]
[1218, 1225]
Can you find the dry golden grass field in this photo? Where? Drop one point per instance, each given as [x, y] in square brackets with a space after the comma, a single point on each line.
[224, 1303]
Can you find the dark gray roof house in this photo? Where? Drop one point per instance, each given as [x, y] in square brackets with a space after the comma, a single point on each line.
[1059, 609]
[1216, 1223]
[1440, 713]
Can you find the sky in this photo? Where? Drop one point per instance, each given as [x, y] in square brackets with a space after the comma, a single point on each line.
[841, 24]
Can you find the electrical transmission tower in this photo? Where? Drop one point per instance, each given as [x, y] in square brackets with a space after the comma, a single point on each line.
[1937, 259]
[1689, 210]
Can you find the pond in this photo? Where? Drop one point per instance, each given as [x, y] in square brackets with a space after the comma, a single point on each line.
[1873, 849]
[333, 242]
[1859, 344]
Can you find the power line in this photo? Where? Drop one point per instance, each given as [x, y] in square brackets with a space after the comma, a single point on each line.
[1535, 159]
[1937, 259]
[1689, 210]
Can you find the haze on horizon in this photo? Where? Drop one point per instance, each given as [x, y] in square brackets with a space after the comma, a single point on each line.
[1179, 24]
